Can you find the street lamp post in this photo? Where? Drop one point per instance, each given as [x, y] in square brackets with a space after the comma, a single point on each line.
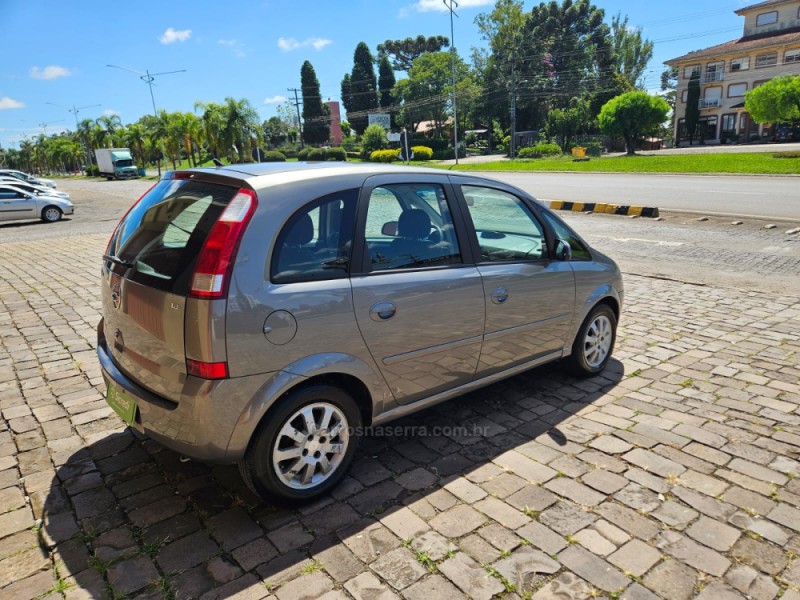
[75, 110]
[148, 78]
[451, 6]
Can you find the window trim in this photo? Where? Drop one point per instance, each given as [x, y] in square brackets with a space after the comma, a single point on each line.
[764, 14]
[695, 67]
[732, 85]
[735, 124]
[743, 58]
[771, 64]
[360, 259]
[795, 53]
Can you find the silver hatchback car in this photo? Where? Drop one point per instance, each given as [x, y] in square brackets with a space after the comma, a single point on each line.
[266, 314]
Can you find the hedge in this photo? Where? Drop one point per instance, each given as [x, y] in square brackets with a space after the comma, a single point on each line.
[273, 156]
[539, 151]
[337, 154]
[316, 154]
[385, 156]
[422, 152]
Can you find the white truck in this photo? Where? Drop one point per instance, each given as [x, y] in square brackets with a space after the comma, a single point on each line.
[116, 163]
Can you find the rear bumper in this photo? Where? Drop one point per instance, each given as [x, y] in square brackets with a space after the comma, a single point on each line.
[200, 424]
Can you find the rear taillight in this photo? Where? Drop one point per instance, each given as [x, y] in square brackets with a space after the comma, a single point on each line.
[125, 216]
[213, 269]
[205, 370]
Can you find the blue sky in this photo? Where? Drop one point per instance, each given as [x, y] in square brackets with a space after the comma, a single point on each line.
[56, 51]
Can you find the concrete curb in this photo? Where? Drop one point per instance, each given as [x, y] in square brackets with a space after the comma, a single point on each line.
[608, 209]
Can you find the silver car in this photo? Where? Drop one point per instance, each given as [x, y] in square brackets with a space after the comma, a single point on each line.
[266, 314]
[28, 178]
[17, 203]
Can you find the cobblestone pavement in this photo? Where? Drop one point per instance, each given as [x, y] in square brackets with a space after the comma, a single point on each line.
[675, 475]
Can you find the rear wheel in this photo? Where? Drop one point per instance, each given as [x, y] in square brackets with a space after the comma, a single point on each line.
[594, 343]
[51, 214]
[304, 445]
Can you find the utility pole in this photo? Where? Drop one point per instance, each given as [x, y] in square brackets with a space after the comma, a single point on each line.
[513, 113]
[451, 6]
[75, 110]
[148, 78]
[299, 122]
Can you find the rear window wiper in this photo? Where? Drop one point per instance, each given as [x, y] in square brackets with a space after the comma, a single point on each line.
[117, 260]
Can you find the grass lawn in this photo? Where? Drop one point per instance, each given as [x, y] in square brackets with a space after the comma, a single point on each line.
[751, 163]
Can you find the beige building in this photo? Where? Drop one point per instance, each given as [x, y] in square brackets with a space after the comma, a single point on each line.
[769, 48]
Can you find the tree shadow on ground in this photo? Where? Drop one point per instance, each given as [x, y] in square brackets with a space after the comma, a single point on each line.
[126, 517]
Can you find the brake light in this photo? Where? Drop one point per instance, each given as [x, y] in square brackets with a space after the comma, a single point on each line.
[127, 212]
[212, 272]
[204, 370]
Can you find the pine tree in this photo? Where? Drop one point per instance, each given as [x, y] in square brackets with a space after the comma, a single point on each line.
[693, 106]
[316, 129]
[363, 88]
[386, 82]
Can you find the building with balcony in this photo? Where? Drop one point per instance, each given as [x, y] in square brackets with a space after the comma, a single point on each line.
[770, 47]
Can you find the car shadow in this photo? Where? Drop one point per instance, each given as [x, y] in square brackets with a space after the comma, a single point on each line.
[128, 517]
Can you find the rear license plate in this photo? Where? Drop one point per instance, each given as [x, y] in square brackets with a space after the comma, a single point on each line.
[122, 403]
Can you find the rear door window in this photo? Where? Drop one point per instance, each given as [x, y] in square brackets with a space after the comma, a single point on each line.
[164, 232]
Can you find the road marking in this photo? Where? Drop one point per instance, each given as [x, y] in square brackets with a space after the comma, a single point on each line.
[732, 192]
[656, 242]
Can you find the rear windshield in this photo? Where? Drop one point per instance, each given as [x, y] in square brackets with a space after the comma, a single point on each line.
[163, 234]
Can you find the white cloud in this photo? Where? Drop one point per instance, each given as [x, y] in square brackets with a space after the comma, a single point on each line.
[110, 112]
[289, 44]
[8, 103]
[275, 100]
[49, 72]
[438, 5]
[175, 35]
[235, 46]
[227, 42]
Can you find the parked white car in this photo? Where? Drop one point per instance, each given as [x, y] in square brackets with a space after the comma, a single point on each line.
[16, 204]
[28, 178]
[32, 188]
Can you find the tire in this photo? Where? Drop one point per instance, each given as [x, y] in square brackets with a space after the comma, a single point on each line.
[290, 481]
[594, 343]
[51, 214]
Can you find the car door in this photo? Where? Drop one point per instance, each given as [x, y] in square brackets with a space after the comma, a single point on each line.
[530, 298]
[16, 205]
[417, 297]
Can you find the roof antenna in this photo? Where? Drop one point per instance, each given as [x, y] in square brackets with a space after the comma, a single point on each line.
[217, 162]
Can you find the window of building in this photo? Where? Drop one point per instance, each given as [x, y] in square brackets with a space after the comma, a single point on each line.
[792, 56]
[767, 60]
[729, 123]
[684, 96]
[740, 64]
[767, 18]
[736, 90]
[691, 70]
[758, 83]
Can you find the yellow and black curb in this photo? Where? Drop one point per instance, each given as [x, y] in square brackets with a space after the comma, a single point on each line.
[608, 209]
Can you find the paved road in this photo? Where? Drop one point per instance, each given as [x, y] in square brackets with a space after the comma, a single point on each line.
[674, 475]
[731, 195]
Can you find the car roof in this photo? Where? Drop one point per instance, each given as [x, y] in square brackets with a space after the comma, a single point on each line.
[245, 171]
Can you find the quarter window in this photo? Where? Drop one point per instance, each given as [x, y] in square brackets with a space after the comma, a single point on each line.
[767, 60]
[767, 18]
[506, 228]
[409, 226]
[315, 243]
[579, 251]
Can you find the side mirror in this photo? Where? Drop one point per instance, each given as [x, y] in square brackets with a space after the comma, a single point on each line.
[390, 229]
[563, 251]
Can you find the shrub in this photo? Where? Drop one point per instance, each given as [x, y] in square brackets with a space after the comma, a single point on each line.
[337, 154]
[273, 156]
[422, 152]
[384, 156]
[303, 154]
[373, 138]
[354, 155]
[539, 151]
[92, 171]
[448, 153]
[289, 153]
[316, 154]
[788, 154]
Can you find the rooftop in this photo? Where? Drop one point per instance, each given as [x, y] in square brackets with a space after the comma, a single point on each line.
[767, 3]
[745, 44]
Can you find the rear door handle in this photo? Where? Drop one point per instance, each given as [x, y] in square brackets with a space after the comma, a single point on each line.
[382, 311]
[500, 295]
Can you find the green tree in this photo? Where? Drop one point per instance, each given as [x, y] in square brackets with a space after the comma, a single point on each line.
[692, 117]
[360, 89]
[669, 87]
[403, 53]
[632, 116]
[386, 83]
[316, 129]
[566, 123]
[374, 138]
[135, 139]
[631, 52]
[776, 101]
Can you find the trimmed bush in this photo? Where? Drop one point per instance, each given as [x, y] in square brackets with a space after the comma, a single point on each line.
[303, 154]
[316, 154]
[337, 154]
[422, 152]
[373, 138]
[384, 156]
[540, 151]
[289, 153]
[786, 154]
[273, 156]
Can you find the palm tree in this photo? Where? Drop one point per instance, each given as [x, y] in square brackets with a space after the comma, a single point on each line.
[110, 123]
[135, 136]
[241, 126]
[174, 127]
[213, 119]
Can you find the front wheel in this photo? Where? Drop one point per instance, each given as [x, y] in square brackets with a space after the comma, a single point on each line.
[594, 343]
[304, 445]
[51, 214]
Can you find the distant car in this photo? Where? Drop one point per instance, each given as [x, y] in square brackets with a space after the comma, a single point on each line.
[787, 133]
[17, 204]
[36, 190]
[28, 178]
